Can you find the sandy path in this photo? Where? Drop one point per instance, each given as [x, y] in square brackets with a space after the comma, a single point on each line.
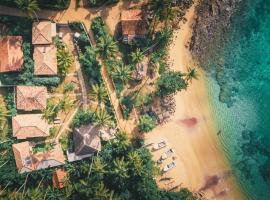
[201, 165]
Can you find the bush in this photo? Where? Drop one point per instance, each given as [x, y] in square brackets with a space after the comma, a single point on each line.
[170, 82]
[47, 81]
[98, 27]
[96, 3]
[69, 87]
[147, 123]
[76, 26]
[50, 4]
[82, 118]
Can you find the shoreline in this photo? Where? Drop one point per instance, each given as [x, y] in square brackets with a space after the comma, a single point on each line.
[201, 163]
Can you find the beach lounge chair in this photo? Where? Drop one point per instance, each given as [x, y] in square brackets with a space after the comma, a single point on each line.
[159, 145]
[169, 166]
[165, 155]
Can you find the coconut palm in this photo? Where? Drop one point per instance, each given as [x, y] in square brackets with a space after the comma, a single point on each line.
[120, 169]
[30, 7]
[98, 93]
[64, 61]
[137, 56]
[66, 104]
[101, 192]
[99, 166]
[106, 47]
[191, 74]
[137, 162]
[102, 118]
[121, 141]
[122, 73]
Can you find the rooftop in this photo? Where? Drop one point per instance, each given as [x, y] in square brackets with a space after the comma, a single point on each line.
[11, 54]
[27, 161]
[42, 32]
[29, 126]
[30, 98]
[59, 178]
[45, 60]
[133, 23]
[87, 140]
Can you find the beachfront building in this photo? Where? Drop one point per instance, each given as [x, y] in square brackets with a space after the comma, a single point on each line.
[11, 54]
[133, 25]
[86, 140]
[59, 178]
[27, 161]
[29, 126]
[45, 61]
[29, 98]
[43, 32]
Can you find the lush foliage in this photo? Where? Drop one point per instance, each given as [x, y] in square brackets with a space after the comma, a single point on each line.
[147, 123]
[50, 4]
[96, 3]
[170, 82]
[64, 61]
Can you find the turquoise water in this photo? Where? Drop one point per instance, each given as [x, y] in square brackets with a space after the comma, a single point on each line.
[239, 82]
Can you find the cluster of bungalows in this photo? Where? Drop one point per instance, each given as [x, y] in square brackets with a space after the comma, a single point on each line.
[31, 100]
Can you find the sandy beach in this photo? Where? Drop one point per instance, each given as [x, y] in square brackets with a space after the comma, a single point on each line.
[191, 132]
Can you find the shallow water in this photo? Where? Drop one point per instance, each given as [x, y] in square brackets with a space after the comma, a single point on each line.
[239, 84]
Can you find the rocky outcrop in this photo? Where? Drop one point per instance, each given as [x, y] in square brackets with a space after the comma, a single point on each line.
[213, 19]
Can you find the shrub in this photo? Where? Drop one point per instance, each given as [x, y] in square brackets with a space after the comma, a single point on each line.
[82, 118]
[96, 3]
[147, 123]
[98, 27]
[69, 87]
[170, 82]
[47, 81]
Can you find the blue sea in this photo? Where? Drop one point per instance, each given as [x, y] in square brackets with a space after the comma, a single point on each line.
[239, 82]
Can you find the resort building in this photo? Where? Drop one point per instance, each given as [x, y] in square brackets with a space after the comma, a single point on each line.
[43, 32]
[87, 140]
[29, 126]
[29, 98]
[27, 161]
[133, 25]
[11, 54]
[59, 178]
[45, 61]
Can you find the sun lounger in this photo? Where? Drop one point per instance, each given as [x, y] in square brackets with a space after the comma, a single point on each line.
[169, 166]
[159, 145]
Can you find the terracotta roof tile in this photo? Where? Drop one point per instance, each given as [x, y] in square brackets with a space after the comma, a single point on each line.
[133, 23]
[42, 32]
[30, 98]
[59, 177]
[45, 60]
[27, 161]
[11, 54]
[29, 126]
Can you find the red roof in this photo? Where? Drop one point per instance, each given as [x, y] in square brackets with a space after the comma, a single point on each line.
[30, 98]
[133, 23]
[59, 178]
[11, 54]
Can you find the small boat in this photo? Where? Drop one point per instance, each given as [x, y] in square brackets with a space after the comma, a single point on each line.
[165, 155]
[169, 166]
[159, 145]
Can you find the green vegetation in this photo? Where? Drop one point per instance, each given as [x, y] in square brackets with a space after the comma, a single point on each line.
[30, 7]
[69, 87]
[64, 61]
[147, 123]
[96, 3]
[170, 82]
[99, 93]
[48, 4]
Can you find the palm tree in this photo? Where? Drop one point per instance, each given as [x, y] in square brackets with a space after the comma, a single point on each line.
[121, 141]
[191, 74]
[123, 73]
[120, 169]
[98, 93]
[106, 47]
[102, 118]
[137, 162]
[99, 166]
[65, 104]
[3, 113]
[30, 7]
[101, 192]
[137, 56]
[64, 61]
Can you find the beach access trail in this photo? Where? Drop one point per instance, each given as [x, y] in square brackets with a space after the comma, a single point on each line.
[201, 163]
